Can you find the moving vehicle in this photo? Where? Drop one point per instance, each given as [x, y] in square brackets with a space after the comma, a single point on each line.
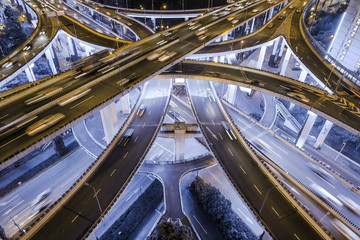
[42, 32]
[350, 204]
[344, 230]
[166, 56]
[41, 197]
[14, 124]
[200, 31]
[175, 116]
[141, 110]
[42, 206]
[8, 64]
[321, 172]
[27, 47]
[44, 124]
[125, 138]
[202, 37]
[298, 10]
[74, 96]
[44, 95]
[325, 195]
[228, 130]
[298, 96]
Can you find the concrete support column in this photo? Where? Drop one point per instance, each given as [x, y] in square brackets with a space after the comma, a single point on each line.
[281, 48]
[252, 25]
[323, 134]
[109, 121]
[247, 28]
[221, 59]
[179, 130]
[154, 23]
[303, 75]
[265, 17]
[50, 57]
[125, 104]
[271, 12]
[231, 93]
[305, 130]
[29, 73]
[285, 62]
[186, 19]
[113, 26]
[261, 57]
[272, 62]
[70, 45]
[88, 50]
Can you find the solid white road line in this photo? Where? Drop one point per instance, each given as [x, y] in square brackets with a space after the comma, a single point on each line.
[200, 224]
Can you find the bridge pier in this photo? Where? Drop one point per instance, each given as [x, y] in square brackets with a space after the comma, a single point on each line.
[252, 25]
[305, 130]
[70, 45]
[231, 93]
[114, 27]
[179, 137]
[88, 50]
[303, 75]
[125, 104]
[323, 134]
[272, 62]
[281, 51]
[154, 24]
[285, 62]
[30, 73]
[50, 57]
[261, 57]
[271, 13]
[109, 121]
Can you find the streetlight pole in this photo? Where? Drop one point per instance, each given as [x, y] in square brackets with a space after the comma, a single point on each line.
[17, 225]
[338, 83]
[163, 7]
[342, 148]
[262, 205]
[328, 78]
[97, 199]
[324, 217]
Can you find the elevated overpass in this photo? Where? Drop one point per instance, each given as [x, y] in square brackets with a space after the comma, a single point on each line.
[294, 31]
[41, 40]
[180, 43]
[154, 72]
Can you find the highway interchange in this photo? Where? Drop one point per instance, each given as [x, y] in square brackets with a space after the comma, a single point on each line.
[191, 45]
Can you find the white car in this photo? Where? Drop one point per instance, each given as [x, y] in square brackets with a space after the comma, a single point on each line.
[8, 64]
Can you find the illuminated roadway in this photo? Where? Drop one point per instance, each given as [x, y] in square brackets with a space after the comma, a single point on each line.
[283, 220]
[106, 84]
[190, 47]
[290, 27]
